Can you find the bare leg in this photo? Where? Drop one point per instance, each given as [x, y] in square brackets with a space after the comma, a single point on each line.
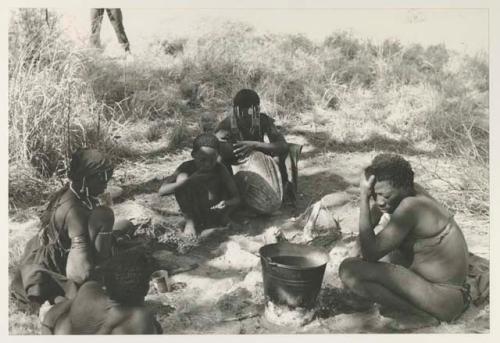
[394, 285]
[189, 228]
[116, 19]
[193, 199]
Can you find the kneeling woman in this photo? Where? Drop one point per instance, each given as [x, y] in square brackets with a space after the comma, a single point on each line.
[74, 236]
[429, 276]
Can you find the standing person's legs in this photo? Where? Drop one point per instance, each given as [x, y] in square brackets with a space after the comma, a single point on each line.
[96, 15]
[116, 19]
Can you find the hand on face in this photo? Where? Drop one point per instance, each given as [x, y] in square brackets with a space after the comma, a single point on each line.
[243, 148]
[366, 185]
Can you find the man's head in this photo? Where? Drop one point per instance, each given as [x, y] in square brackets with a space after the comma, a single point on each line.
[393, 180]
[126, 277]
[205, 151]
[90, 170]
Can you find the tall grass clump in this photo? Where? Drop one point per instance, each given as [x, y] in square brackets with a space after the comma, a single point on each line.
[49, 103]
[61, 97]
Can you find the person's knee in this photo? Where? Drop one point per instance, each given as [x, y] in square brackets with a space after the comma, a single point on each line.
[123, 225]
[102, 218]
[348, 271]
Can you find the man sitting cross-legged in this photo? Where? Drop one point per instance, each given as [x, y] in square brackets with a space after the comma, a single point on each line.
[428, 279]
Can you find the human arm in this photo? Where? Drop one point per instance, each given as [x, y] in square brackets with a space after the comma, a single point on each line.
[80, 262]
[172, 183]
[373, 247]
[228, 181]
[277, 145]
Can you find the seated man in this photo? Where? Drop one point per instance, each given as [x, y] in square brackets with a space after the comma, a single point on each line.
[244, 131]
[117, 308]
[201, 185]
[428, 280]
[76, 233]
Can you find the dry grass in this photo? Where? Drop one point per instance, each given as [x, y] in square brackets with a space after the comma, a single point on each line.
[359, 89]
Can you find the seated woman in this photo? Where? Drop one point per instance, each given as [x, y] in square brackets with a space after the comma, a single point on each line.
[74, 236]
[201, 185]
[117, 308]
[428, 279]
[245, 130]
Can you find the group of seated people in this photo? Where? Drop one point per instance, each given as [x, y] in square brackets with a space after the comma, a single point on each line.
[412, 254]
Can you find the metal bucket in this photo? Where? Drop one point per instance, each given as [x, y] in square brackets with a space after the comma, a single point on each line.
[292, 273]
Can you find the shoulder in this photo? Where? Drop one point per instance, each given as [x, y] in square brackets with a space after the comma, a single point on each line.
[75, 212]
[224, 123]
[409, 204]
[187, 167]
[221, 169]
[267, 123]
[266, 119]
[410, 209]
[91, 286]
[136, 320]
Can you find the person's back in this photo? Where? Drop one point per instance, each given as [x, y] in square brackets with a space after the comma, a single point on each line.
[115, 306]
[92, 312]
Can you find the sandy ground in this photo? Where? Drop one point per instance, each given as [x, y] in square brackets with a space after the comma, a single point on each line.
[224, 293]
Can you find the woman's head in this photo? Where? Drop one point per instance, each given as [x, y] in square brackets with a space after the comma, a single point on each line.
[90, 171]
[246, 98]
[246, 105]
[205, 151]
[393, 180]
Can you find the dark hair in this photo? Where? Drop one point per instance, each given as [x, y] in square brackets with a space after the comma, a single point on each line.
[392, 168]
[126, 276]
[207, 140]
[246, 98]
[86, 162]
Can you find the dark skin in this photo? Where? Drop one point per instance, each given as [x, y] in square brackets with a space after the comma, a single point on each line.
[420, 287]
[81, 259]
[206, 160]
[276, 147]
[117, 319]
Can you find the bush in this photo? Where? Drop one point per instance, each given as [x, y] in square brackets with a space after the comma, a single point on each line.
[59, 94]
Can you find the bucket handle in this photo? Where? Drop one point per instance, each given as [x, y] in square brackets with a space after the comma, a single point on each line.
[268, 260]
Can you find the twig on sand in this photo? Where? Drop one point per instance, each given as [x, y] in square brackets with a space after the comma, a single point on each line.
[242, 317]
[165, 212]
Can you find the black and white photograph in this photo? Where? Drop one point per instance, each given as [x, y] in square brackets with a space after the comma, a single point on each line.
[219, 168]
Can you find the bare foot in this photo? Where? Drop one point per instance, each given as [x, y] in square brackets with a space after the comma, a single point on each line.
[189, 228]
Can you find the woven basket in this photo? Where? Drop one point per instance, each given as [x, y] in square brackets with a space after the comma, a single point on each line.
[259, 183]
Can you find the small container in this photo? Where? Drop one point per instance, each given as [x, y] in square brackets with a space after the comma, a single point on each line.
[160, 281]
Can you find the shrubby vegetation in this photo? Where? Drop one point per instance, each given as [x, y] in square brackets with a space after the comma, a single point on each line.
[61, 97]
